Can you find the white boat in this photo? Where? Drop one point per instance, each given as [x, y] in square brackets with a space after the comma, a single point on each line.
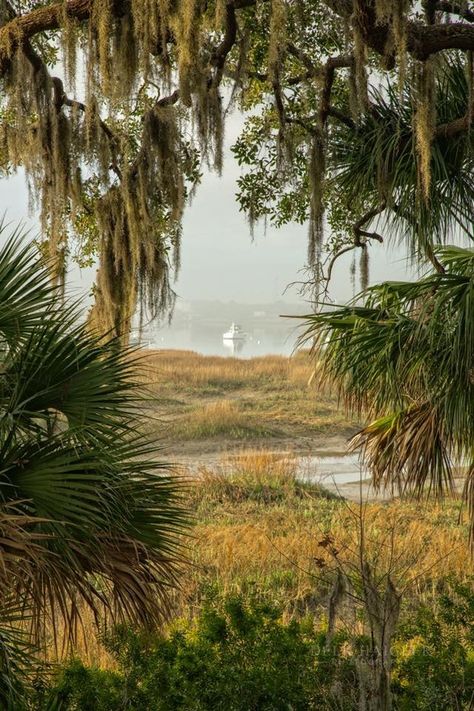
[233, 347]
[235, 333]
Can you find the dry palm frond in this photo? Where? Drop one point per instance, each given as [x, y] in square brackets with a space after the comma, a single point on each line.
[406, 451]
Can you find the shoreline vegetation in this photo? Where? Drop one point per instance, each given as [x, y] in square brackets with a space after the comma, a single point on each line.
[211, 404]
[164, 547]
[259, 604]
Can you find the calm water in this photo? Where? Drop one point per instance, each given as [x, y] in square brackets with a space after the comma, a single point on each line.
[328, 469]
[259, 341]
[331, 469]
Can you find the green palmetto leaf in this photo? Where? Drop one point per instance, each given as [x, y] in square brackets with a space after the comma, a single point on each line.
[405, 358]
[26, 291]
[376, 162]
[100, 521]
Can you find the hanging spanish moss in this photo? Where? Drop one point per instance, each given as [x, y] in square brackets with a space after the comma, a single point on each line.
[359, 71]
[394, 13]
[277, 37]
[316, 173]
[122, 159]
[352, 274]
[276, 55]
[123, 164]
[364, 267]
[210, 125]
[425, 122]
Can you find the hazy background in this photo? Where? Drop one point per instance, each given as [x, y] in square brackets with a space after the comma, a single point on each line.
[219, 258]
[220, 262]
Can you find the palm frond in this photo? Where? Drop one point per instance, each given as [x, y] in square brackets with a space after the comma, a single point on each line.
[18, 661]
[98, 520]
[376, 161]
[26, 290]
[405, 358]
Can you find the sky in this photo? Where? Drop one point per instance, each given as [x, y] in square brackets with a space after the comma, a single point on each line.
[220, 260]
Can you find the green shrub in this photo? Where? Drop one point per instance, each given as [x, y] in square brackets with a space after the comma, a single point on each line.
[238, 655]
[233, 657]
[434, 655]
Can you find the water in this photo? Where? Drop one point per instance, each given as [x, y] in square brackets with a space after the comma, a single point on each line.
[260, 340]
[332, 469]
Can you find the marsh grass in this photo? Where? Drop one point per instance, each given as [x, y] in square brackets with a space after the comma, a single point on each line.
[258, 527]
[88, 644]
[259, 531]
[259, 476]
[219, 419]
[195, 370]
[243, 401]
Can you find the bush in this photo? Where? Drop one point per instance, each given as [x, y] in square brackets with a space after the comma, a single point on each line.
[233, 657]
[434, 655]
[238, 655]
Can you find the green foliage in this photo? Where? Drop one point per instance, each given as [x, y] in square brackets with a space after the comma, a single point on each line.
[264, 191]
[375, 162]
[84, 689]
[369, 162]
[89, 518]
[434, 656]
[235, 656]
[239, 655]
[406, 358]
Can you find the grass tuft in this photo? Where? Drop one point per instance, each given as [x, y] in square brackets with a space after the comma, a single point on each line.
[219, 419]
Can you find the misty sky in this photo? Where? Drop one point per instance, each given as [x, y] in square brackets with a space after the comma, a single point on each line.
[219, 259]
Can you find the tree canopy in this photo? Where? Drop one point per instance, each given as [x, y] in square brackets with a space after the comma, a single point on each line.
[359, 109]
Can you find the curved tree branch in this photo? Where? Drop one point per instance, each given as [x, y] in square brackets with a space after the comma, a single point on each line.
[358, 233]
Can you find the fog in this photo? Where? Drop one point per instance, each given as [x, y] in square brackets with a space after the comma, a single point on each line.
[220, 260]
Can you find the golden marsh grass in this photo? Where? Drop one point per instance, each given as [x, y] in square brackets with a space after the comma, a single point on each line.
[210, 398]
[259, 530]
[246, 535]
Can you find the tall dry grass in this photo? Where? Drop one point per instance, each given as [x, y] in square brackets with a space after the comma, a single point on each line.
[259, 526]
[207, 397]
[259, 529]
[214, 419]
[196, 370]
[251, 475]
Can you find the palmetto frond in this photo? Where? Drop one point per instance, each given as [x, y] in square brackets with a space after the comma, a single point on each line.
[406, 358]
[17, 655]
[98, 520]
[376, 162]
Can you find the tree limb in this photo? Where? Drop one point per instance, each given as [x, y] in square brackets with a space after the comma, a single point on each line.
[50, 17]
[220, 53]
[329, 71]
[453, 8]
[358, 233]
[452, 128]
[342, 117]
[422, 40]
